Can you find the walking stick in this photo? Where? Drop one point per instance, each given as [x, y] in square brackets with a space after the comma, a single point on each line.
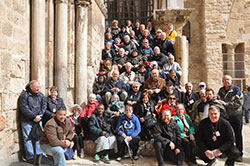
[129, 151]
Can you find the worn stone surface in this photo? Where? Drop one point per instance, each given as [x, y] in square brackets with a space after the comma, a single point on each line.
[2, 123]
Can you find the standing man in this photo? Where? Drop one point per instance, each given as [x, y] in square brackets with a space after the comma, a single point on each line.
[32, 106]
[232, 98]
[215, 137]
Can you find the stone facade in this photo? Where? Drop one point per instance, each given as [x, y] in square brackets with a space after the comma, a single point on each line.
[212, 24]
[16, 59]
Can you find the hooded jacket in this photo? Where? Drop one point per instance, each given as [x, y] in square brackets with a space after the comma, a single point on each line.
[31, 104]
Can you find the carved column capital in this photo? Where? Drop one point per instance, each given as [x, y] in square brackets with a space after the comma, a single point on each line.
[61, 1]
[83, 3]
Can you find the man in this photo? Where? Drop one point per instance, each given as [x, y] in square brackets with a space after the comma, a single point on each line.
[246, 105]
[159, 57]
[128, 45]
[172, 65]
[215, 137]
[128, 76]
[154, 85]
[57, 136]
[189, 97]
[146, 50]
[165, 45]
[32, 106]
[201, 85]
[167, 138]
[232, 98]
[115, 85]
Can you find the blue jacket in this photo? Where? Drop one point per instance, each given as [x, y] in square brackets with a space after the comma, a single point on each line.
[129, 126]
[31, 104]
[234, 99]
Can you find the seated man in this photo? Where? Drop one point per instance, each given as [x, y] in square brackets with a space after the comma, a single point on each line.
[154, 85]
[57, 136]
[167, 138]
[172, 65]
[128, 76]
[115, 85]
[215, 137]
[159, 57]
[170, 89]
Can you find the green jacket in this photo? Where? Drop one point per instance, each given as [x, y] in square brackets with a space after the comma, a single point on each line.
[181, 126]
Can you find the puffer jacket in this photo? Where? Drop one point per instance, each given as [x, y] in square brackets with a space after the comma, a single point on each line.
[31, 104]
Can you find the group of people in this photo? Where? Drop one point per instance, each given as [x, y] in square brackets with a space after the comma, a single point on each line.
[138, 98]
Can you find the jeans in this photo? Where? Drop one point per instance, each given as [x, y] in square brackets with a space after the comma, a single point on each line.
[57, 152]
[28, 146]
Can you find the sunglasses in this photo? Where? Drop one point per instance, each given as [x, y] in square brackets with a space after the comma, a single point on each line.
[172, 98]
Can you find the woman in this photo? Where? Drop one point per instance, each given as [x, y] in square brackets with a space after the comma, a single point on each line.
[128, 129]
[169, 104]
[87, 111]
[54, 102]
[187, 134]
[74, 119]
[101, 134]
[145, 112]
[134, 95]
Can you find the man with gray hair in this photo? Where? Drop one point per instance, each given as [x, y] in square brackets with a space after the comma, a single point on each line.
[189, 97]
[215, 137]
[32, 105]
[232, 98]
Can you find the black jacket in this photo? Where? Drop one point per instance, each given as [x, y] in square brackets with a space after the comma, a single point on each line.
[97, 125]
[204, 135]
[165, 133]
[166, 47]
[31, 104]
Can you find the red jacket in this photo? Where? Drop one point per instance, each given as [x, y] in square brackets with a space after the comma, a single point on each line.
[89, 109]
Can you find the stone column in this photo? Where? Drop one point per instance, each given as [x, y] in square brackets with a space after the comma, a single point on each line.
[61, 31]
[230, 60]
[81, 50]
[50, 43]
[181, 50]
[38, 42]
[163, 4]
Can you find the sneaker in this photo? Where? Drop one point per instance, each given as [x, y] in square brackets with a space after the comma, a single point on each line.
[212, 162]
[31, 161]
[106, 160]
[135, 157]
[82, 155]
[118, 159]
[75, 155]
[96, 158]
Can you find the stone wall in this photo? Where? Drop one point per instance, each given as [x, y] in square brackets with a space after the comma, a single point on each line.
[213, 23]
[14, 71]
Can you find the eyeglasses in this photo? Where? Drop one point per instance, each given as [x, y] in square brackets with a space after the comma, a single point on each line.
[135, 86]
[172, 98]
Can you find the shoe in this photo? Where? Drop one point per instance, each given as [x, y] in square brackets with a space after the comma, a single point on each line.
[239, 159]
[97, 158]
[118, 159]
[75, 155]
[82, 155]
[105, 159]
[31, 161]
[179, 163]
[212, 162]
[135, 157]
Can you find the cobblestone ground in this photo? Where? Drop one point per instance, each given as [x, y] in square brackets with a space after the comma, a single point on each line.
[151, 161]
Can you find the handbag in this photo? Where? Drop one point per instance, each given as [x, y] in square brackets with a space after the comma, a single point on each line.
[35, 133]
[150, 122]
[69, 153]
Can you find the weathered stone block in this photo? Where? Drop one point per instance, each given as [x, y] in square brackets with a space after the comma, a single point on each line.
[7, 28]
[17, 67]
[9, 101]
[17, 85]
[2, 123]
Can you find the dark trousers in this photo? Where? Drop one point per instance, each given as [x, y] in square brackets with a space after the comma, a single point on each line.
[162, 152]
[134, 145]
[236, 123]
[189, 149]
[232, 154]
[78, 141]
[85, 126]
